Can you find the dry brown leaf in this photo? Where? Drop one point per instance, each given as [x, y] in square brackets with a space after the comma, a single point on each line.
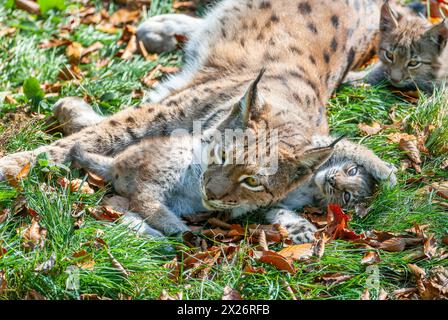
[4, 214]
[369, 130]
[370, 257]
[3, 283]
[92, 296]
[165, 296]
[118, 265]
[333, 278]
[231, 294]
[250, 269]
[298, 252]
[28, 6]
[7, 31]
[274, 259]
[70, 72]
[429, 246]
[262, 241]
[445, 240]
[398, 244]
[382, 295]
[124, 15]
[83, 260]
[149, 79]
[130, 49]
[95, 180]
[76, 185]
[106, 213]
[34, 236]
[34, 295]
[74, 52]
[54, 42]
[365, 295]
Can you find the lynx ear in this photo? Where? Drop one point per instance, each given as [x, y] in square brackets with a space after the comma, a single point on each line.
[438, 35]
[388, 20]
[250, 102]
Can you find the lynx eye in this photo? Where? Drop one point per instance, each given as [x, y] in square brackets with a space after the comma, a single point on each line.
[352, 171]
[347, 197]
[251, 183]
[389, 56]
[414, 64]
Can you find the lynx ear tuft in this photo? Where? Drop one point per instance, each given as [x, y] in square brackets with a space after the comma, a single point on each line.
[250, 102]
[388, 20]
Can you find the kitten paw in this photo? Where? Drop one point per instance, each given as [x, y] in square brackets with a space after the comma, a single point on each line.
[301, 232]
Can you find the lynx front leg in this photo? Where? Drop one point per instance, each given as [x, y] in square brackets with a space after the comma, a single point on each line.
[158, 34]
[156, 214]
[74, 114]
[300, 230]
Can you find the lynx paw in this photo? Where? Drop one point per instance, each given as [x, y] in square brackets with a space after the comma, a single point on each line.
[12, 165]
[74, 114]
[158, 34]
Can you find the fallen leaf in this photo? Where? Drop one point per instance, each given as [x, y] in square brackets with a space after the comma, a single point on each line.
[369, 130]
[333, 278]
[165, 296]
[118, 265]
[46, 266]
[92, 296]
[429, 246]
[231, 294]
[34, 295]
[365, 295]
[274, 259]
[76, 185]
[398, 244]
[34, 236]
[371, 257]
[106, 213]
[3, 283]
[124, 15]
[28, 6]
[74, 52]
[95, 180]
[298, 252]
[382, 295]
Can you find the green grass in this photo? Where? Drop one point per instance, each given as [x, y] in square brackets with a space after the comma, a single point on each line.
[110, 89]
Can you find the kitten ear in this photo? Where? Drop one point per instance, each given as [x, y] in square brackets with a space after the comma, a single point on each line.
[438, 35]
[251, 101]
[313, 158]
[388, 20]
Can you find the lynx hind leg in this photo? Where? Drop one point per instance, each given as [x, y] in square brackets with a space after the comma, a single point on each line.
[299, 229]
[74, 114]
[155, 213]
[158, 34]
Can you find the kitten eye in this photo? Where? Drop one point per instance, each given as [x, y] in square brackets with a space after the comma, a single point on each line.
[251, 183]
[389, 56]
[352, 171]
[347, 197]
[414, 64]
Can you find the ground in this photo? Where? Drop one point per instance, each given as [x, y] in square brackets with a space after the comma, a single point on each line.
[112, 262]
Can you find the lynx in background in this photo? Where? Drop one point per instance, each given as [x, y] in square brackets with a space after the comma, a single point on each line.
[412, 52]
